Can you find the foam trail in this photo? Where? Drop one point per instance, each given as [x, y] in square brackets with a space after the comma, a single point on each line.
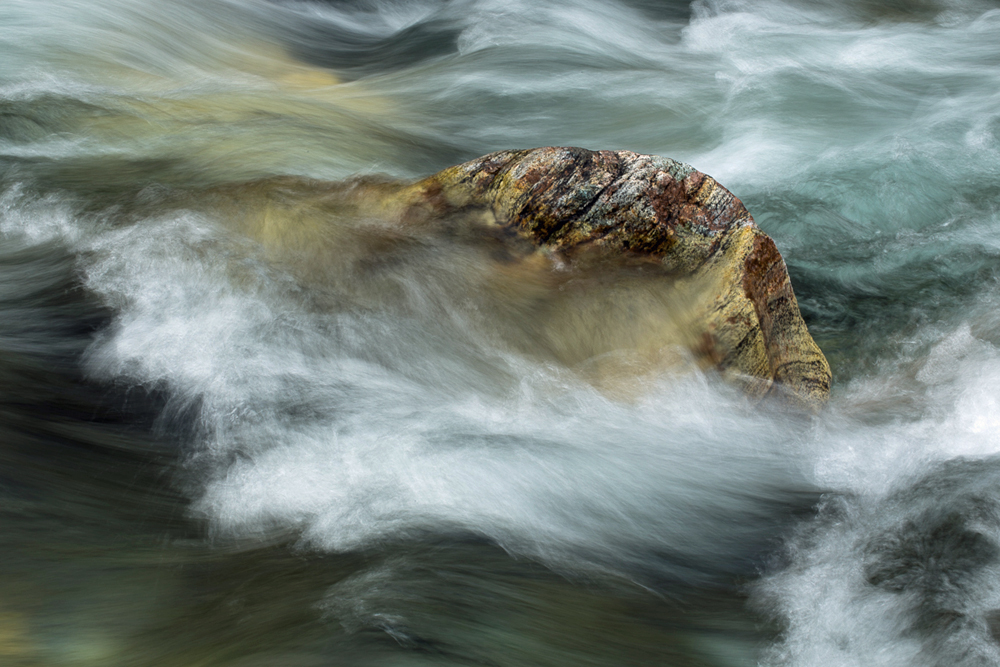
[304, 422]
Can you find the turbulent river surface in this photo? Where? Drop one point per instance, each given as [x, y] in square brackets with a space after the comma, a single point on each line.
[322, 439]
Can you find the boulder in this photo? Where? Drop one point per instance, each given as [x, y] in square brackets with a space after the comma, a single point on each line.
[572, 201]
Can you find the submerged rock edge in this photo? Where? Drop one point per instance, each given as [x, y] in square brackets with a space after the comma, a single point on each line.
[569, 199]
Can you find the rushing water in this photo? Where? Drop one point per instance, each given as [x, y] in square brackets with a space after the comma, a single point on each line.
[306, 437]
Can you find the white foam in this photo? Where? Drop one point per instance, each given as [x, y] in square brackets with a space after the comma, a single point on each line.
[302, 426]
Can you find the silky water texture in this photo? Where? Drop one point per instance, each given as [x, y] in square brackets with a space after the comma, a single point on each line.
[337, 440]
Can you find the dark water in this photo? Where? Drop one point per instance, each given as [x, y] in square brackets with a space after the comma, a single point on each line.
[248, 431]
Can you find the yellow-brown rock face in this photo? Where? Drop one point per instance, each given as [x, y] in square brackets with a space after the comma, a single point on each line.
[574, 201]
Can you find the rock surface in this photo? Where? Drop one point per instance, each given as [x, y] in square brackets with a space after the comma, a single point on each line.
[572, 200]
